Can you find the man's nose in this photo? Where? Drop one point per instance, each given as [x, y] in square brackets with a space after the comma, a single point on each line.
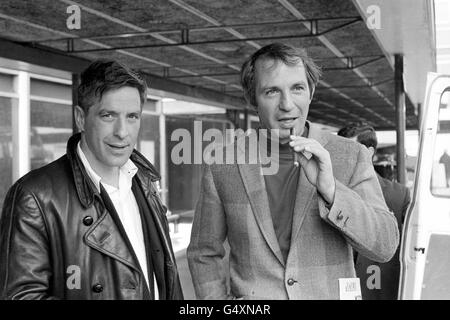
[286, 102]
[121, 128]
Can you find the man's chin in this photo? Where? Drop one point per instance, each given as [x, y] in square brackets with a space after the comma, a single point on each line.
[283, 135]
[115, 161]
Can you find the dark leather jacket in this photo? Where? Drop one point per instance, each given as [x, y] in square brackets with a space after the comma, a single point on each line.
[57, 240]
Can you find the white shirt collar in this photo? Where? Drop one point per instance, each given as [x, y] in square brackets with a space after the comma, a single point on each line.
[126, 173]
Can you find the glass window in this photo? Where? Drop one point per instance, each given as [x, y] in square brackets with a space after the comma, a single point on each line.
[5, 147]
[47, 89]
[440, 178]
[149, 141]
[185, 178]
[6, 83]
[51, 127]
[150, 105]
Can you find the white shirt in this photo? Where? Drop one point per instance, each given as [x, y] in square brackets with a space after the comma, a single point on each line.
[126, 207]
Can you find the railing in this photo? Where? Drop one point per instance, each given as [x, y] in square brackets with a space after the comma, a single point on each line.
[176, 216]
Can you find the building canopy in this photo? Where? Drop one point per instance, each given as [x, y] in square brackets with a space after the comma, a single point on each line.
[196, 48]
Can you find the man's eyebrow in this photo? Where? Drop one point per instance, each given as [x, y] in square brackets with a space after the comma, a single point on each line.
[134, 113]
[107, 111]
[269, 87]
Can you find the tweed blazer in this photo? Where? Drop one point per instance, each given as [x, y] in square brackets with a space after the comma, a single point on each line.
[233, 205]
[397, 199]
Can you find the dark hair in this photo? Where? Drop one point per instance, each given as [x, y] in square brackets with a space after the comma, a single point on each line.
[364, 134]
[105, 75]
[278, 52]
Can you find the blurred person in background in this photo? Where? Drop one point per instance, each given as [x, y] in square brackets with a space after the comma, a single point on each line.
[445, 160]
[397, 198]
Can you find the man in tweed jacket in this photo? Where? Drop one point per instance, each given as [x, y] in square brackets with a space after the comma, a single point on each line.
[291, 233]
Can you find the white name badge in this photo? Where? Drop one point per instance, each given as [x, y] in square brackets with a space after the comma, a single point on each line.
[349, 289]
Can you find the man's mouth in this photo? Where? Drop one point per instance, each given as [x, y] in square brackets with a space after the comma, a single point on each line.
[117, 146]
[287, 122]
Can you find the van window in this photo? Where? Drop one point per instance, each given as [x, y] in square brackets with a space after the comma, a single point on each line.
[440, 177]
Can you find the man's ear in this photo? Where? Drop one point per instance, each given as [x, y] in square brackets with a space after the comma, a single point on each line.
[79, 118]
[372, 151]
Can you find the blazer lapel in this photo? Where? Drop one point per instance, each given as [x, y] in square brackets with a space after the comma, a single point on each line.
[305, 190]
[255, 188]
[304, 194]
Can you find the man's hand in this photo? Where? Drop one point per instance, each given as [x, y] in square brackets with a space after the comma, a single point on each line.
[318, 168]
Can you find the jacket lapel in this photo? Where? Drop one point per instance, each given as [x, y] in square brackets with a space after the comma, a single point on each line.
[304, 194]
[158, 211]
[253, 180]
[305, 190]
[105, 236]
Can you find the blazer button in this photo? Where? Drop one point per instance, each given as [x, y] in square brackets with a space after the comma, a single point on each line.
[291, 282]
[88, 220]
[97, 288]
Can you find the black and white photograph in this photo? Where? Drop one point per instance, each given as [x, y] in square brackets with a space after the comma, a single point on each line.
[232, 151]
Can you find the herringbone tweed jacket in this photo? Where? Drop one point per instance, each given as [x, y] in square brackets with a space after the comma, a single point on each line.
[233, 205]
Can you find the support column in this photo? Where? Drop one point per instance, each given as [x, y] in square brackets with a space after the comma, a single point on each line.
[400, 119]
[163, 164]
[419, 116]
[21, 126]
[247, 126]
[233, 116]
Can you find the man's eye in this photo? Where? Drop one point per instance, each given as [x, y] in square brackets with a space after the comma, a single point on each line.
[271, 92]
[134, 116]
[106, 115]
[299, 88]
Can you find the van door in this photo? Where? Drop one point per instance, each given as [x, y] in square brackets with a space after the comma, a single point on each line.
[425, 247]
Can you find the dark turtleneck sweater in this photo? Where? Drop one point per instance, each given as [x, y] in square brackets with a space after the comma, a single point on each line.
[281, 190]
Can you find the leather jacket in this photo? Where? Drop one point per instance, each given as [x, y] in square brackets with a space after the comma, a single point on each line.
[58, 241]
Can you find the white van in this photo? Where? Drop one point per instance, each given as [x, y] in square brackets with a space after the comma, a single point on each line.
[425, 246]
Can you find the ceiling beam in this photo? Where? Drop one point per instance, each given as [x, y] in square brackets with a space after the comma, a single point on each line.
[185, 38]
[42, 56]
[393, 128]
[335, 108]
[350, 66]
[52, 58]
[367, 85]
[185, 31]
[215, 65]
[326, 116]
[211, 20]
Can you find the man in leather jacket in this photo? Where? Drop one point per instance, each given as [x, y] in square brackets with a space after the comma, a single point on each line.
[91, 225]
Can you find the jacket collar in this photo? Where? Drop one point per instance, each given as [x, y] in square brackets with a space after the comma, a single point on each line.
[316, 133]
[86, 189]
